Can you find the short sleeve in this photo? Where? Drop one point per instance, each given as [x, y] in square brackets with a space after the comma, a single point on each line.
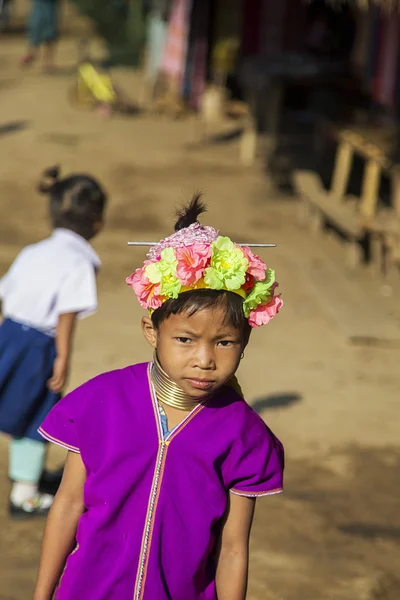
[257, 461]
[3, 285]
[78, 293]
[59, 427]
[7, 279]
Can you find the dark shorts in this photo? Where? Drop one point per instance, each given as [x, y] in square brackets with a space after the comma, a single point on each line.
[43, 22]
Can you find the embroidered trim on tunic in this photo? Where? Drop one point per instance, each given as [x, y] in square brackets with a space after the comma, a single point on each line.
[149, 523]
[155, 487]
[50, 438]
[255, 494]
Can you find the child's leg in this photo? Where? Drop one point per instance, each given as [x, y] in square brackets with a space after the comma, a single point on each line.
[26, 463]
[49, 56]
[30, 56]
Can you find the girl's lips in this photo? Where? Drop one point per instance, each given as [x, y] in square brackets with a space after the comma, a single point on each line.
[200, 384]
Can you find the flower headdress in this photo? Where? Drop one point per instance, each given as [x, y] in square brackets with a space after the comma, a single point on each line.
[197, 257]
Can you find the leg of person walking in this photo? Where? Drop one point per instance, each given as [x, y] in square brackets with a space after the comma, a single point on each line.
[26, 464]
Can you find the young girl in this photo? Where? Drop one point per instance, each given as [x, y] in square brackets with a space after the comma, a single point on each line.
[42, 32]
[166, 458]
[48, 286]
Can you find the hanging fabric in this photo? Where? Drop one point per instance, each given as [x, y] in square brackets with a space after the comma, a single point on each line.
[174, 59]
[272, 26]
[397, 84]
[378, 67]
[196, 66]
[389, 63]
[156, 36]
[252, 27]
[373, 45]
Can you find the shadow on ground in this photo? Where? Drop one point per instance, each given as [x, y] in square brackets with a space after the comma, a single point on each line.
[12, 127]
[272, 401]
[336, 528]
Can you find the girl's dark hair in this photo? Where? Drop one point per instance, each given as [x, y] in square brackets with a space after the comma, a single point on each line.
[77, 202]
[193, 301]
[188, 214]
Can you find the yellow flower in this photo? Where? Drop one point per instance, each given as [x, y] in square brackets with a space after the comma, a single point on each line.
[228, 266]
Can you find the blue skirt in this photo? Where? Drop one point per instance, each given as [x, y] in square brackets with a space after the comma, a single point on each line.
[26, 363]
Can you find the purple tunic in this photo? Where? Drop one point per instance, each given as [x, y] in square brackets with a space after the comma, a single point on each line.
[154, 506]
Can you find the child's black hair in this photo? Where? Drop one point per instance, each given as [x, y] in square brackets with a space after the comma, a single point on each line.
[193, 301]
[77, 202]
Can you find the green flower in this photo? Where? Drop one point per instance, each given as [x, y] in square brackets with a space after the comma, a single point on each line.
[228, 266]
[164, 272]
[260, 294]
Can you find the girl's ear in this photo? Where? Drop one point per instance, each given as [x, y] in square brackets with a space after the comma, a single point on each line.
[149, 331]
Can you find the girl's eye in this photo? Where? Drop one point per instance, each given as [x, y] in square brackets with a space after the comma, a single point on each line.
[225, 343]
[183, 340]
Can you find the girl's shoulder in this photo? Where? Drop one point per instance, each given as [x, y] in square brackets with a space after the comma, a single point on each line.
[239, 416]
[107, 387]
[116, 378]
[232, 401]
[92, 406]
[256, 456]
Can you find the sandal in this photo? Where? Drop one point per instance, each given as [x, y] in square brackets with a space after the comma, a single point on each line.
[38, 506]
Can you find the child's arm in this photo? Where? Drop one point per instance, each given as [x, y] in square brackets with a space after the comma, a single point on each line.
[233, 559]
[59, 535]
[64, 336]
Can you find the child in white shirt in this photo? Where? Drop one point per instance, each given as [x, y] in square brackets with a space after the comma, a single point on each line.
[49, 285]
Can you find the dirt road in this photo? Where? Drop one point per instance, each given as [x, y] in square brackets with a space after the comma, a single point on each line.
[334, 534]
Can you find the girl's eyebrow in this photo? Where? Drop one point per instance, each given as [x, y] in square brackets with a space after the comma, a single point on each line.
[192, 334]
[182, 333]
[223, 336]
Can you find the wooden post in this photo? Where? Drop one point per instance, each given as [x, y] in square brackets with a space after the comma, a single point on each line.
[248, 139]
[396, 190]
[377, 250]
[248, 142]
[370, 188]
[274, 108]
[341, 172]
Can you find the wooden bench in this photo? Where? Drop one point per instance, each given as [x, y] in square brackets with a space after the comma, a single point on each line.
[318, 206]
[355, 217]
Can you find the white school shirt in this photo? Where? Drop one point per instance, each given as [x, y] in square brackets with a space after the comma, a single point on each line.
[51, 278]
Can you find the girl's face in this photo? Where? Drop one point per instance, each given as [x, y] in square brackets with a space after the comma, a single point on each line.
[200, 353]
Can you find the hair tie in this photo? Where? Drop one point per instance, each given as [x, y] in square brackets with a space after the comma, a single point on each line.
[49, 177]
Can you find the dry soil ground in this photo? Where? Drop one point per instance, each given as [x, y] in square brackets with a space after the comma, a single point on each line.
[334, 534]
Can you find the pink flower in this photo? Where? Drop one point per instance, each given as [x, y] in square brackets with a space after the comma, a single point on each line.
[257, 268]
[148, 294]
[192, 260]
[274, 286]
[265, 312]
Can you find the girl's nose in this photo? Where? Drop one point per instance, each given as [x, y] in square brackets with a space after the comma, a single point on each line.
[205, 358]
